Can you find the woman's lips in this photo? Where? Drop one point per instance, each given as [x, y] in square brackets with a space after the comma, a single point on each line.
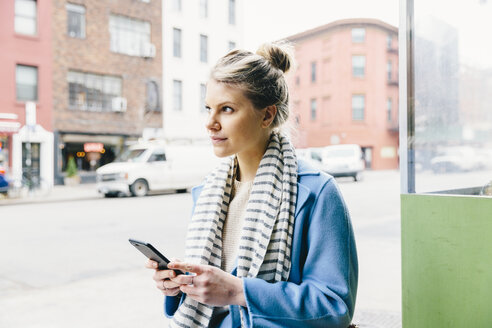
[217, 140]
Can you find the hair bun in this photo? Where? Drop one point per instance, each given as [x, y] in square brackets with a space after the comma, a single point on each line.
[279, 54]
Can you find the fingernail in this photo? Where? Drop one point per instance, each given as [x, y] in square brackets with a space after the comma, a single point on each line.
[172, 274]
[154, 265]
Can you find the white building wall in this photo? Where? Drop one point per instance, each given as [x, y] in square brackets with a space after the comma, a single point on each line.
[189, 122]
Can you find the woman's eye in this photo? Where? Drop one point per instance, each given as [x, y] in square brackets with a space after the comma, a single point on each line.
[207, 109]
[227, 109]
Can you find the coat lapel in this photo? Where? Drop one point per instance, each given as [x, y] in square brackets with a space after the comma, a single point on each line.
[302, 197]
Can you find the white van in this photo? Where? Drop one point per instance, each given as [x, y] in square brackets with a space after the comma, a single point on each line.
[155, 166]
[343, 161]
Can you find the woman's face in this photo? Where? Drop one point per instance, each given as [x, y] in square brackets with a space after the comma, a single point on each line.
[235, 126]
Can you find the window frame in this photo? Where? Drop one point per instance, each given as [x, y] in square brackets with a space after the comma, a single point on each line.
[358, 113]
[177, 95]
[356, 69]
[35, 86]
[358, 38]
[77, 9]
[177, 44]
[22, 16]
[313, 109]
[203, 48]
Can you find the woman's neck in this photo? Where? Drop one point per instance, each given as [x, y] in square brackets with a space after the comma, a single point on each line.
[248, 163]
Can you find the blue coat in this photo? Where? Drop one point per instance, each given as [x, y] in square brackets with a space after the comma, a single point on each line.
[322, 285]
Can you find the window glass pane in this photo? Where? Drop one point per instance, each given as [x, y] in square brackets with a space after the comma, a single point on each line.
[232, 12]
[129, 36]
[358, 103]
[453, 92]
[177, 42]
[177, 5]
[26, 79]
[203, 48]
[92, 91]
[203, 92]
[313, 109]
[389, 70]
[75, 21]
[313, 71]
[177, 95]
[232, 45]
[203, 8]
[358, 66]
[389, 108]
[26, 17]
[358, 35]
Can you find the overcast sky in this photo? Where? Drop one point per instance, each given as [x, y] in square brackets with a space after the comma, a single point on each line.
[268, 20]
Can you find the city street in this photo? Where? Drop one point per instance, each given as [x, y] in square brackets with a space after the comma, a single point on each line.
[68, 262]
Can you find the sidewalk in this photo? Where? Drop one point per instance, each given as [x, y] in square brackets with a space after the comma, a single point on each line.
[56, 194]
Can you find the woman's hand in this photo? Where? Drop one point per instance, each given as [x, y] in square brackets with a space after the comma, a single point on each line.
[209, 285]
[162, 279]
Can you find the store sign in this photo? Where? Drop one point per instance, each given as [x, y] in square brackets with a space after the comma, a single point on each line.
[9, 126]
[93, 147]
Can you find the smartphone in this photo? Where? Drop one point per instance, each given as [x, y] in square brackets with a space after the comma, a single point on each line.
[153, 254]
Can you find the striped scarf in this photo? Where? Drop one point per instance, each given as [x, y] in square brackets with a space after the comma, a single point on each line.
[266, 236]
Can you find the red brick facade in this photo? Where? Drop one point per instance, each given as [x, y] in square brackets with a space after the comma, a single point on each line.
[93, 55]
[331, 48]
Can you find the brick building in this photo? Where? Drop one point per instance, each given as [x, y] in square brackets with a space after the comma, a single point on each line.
[107, 73]
[26, 140]
[345, 89]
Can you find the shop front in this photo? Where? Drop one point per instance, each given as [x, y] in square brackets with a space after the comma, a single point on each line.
[89, 151]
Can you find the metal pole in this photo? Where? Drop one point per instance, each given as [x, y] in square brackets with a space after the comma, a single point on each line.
[406, 94]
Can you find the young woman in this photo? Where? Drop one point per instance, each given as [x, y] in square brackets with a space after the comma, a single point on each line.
[270, 243]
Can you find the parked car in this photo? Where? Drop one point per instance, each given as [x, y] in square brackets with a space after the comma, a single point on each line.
[311, 155]
[456, 159]
[343, 161]
[155, 166]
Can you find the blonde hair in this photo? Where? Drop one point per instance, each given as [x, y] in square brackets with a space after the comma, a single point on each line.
[260, 75]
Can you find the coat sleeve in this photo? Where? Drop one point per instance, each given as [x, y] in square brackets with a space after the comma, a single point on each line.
[325, 297]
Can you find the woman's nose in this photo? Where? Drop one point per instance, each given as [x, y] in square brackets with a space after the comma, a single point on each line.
[212, 123]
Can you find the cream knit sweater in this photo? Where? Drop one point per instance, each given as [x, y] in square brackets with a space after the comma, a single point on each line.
[234, 223]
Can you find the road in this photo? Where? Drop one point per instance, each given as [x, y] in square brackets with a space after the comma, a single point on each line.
[68, 263]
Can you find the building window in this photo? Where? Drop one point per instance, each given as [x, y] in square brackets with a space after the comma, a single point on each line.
[389, 41]
[232, 45]
[389, 108]
[26, 82]
[358, 104]
[93, 92]
[313, 72]
[389, 70]
[75, 21]
[177, 6]
[177, 42]
[129, 36]
[177, 95]
[358, 35]
[232, 12]
[203, 8]
[26, 17]
[313, 109]
[358, 66]
[203, 93]
[203, 48]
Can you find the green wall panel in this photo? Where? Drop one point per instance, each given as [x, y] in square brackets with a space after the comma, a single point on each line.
[446, 261]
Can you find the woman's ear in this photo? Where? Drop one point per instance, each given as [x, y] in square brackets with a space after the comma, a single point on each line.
[270, 113]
